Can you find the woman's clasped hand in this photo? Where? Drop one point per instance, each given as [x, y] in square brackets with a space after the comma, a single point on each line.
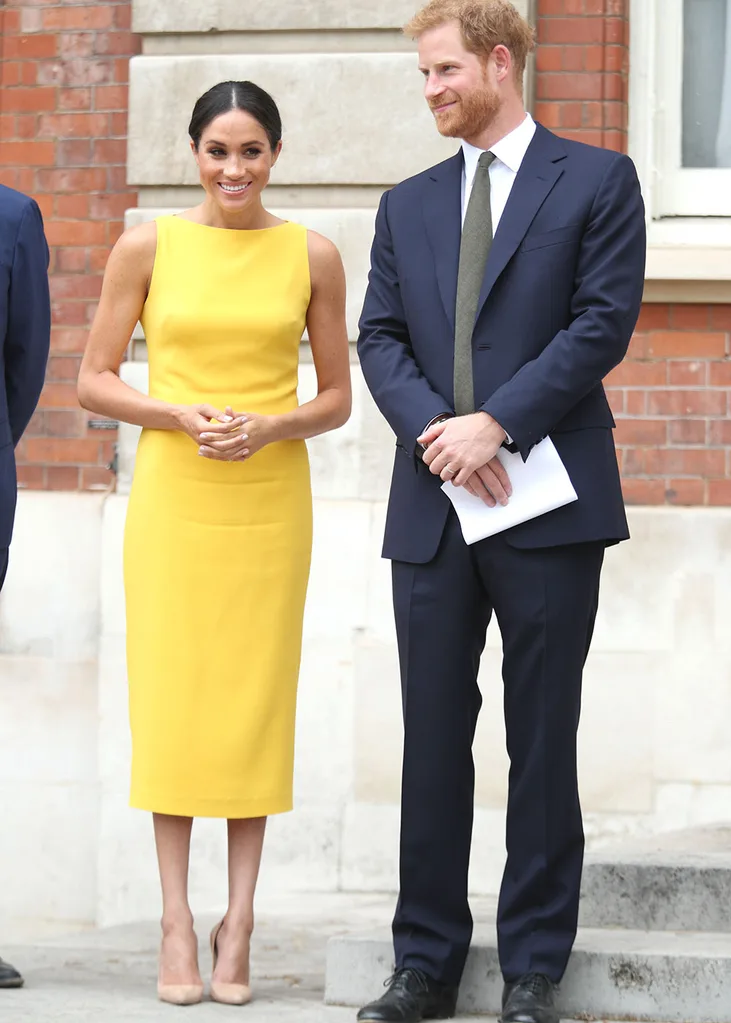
[226, 436]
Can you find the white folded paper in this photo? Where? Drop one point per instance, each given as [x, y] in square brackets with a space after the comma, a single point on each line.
[540, 484]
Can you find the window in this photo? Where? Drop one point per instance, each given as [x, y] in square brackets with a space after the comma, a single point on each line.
[706, 113]
[692, 109]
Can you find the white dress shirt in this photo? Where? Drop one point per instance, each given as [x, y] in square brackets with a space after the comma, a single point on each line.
[509, 153]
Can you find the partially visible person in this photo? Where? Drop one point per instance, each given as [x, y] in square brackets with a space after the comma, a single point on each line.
[219, 526]
[25, 329]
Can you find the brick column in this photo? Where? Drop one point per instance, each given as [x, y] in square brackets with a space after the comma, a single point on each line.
[63, 128]
[582, 65]
[671, 398]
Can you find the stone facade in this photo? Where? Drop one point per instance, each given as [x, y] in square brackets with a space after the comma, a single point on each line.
[653, 741]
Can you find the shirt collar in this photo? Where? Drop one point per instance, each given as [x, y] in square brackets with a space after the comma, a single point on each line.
[510, 150]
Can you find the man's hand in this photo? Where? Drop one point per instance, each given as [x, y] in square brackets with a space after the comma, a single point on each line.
[459, 447]
[491, 479]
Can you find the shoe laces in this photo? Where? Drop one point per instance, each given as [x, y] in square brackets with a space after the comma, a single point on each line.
[400, 978]
[534, 984]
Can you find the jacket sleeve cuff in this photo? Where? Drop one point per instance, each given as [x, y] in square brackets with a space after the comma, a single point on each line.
[512, 442]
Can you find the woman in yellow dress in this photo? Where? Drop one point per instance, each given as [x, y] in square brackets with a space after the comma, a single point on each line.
[219, 525]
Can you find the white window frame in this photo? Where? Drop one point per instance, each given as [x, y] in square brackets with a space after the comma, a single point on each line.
[689, 233]
[682, 191]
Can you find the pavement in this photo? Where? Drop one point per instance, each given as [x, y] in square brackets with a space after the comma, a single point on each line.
[109, 975]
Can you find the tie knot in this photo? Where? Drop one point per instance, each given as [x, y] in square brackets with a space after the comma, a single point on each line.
[485, 160]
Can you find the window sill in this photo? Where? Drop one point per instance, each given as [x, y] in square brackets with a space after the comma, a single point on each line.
[689, 249]
[689, 260]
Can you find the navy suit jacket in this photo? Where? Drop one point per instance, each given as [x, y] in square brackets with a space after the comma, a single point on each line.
[559, 303]
[25, 325]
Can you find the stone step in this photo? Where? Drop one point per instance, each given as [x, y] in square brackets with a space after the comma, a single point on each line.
[628, 975]
[679, 881]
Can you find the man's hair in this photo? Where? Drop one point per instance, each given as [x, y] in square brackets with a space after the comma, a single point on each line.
[485, 24]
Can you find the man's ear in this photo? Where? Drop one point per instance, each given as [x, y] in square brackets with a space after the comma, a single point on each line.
[503, 61]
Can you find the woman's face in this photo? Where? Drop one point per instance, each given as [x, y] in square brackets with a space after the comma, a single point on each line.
[235, 160]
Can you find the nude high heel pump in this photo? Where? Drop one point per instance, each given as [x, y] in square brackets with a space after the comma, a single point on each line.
[179, 994]
[228, 994]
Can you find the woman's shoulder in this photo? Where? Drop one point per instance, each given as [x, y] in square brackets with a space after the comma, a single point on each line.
[326, 265]
[133, 255]
[138, 242]
[323, 253]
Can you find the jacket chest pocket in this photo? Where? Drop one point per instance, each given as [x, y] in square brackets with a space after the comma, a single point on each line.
[545, 239]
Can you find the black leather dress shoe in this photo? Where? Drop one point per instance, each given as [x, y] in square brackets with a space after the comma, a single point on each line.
[532, 999]
[411, 997]
[9, 976]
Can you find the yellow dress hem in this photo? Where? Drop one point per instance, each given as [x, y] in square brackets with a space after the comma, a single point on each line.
[225, 809]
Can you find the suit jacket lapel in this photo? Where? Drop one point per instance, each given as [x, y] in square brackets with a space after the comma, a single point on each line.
[540, 170]
[442, 203]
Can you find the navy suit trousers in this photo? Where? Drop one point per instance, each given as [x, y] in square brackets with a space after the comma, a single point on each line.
[545, 601]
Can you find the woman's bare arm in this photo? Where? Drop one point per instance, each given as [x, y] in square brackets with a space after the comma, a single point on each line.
[328, 334]
[124, 291]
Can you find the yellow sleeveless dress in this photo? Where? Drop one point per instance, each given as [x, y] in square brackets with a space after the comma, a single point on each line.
[217, 554]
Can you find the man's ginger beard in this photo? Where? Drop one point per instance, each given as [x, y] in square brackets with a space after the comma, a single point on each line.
[471, 114]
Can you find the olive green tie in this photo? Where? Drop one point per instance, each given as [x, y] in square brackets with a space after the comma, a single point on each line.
[473, 253]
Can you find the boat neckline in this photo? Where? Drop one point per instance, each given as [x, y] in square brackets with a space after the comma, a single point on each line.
[233, 230]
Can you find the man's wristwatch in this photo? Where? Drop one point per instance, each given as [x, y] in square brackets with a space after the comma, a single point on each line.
[441, 418]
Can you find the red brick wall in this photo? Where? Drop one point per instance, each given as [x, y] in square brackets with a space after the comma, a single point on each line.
[671, 401]
[63, 128]
[582, 65]
[671, 395]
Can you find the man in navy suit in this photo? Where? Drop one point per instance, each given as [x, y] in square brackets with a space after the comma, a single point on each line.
[25, 324]
[505, 284]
